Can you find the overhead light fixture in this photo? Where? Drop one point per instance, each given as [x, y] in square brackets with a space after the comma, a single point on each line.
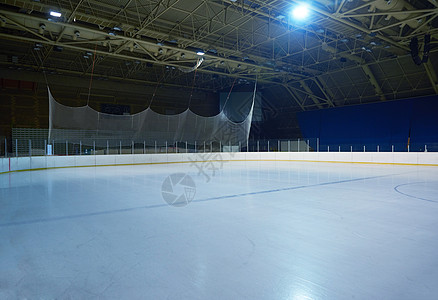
[301, 11]
[76, 35]
[200, 52]
[42, 28]
[55, 14]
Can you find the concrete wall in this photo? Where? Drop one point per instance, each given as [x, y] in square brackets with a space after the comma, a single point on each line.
[43, 162]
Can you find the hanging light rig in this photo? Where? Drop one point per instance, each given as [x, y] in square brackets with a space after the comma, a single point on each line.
[415, 51]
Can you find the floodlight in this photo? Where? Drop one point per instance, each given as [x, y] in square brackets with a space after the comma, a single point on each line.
[300, 12]
[200, 52]
[55, 14]
[42, 28]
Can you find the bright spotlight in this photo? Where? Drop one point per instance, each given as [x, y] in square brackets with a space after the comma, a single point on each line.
[200, 52]
[301, 11]
[55, 14]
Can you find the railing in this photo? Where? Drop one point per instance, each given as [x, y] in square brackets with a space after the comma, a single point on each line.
[38, 147]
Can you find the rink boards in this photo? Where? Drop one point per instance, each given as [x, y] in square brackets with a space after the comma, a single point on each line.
[48, 162]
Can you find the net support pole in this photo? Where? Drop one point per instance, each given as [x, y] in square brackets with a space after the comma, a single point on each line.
[247, 146]
[211, 146]
[66, 148]
[94, 147]
[144, 147]
[220, 146]
[363, 148]
[120, 148]
[155, 147]
[240, 146]
[45, 147]
[166, 147]
[195, 147]
[258, 146]
[288, 146]
[16, 148]
[409, 147]
[351, 148]
[378, 148]
[425, 147]
[328, 148]
[132, 147]
[80, 147]
[229, 146]
[176, 147]
[317, 144]
[308, 145]
[6, 147]
[204, 146]
[107, 147]
[187, 148]
[339, 149]
[53, 143]
[278, 146]
[268, 145]
[30, 148]
[298, 146]
[392, 148]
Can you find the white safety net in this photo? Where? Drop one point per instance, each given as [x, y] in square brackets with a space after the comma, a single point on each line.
[86, 125]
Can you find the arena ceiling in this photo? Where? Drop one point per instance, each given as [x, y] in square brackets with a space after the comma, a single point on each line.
[345, 52]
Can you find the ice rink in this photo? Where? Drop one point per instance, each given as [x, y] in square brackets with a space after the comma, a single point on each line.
[254, 230]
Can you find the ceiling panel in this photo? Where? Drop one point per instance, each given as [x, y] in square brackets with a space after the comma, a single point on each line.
[345, 52]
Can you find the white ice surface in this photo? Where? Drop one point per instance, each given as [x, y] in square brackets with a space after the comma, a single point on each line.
[255, 230]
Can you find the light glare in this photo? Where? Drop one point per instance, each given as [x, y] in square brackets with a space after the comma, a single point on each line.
[200, 53]
[300, 12]
[55, 14]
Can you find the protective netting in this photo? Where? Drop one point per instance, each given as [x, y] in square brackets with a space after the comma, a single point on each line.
[86, 125]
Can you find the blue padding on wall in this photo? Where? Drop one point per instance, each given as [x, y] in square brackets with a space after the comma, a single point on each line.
[384, 124]
[424, 124]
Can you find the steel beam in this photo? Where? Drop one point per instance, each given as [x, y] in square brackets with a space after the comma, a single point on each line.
[294, 96]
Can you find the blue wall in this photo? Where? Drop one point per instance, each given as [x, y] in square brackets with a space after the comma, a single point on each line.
[384, 124]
